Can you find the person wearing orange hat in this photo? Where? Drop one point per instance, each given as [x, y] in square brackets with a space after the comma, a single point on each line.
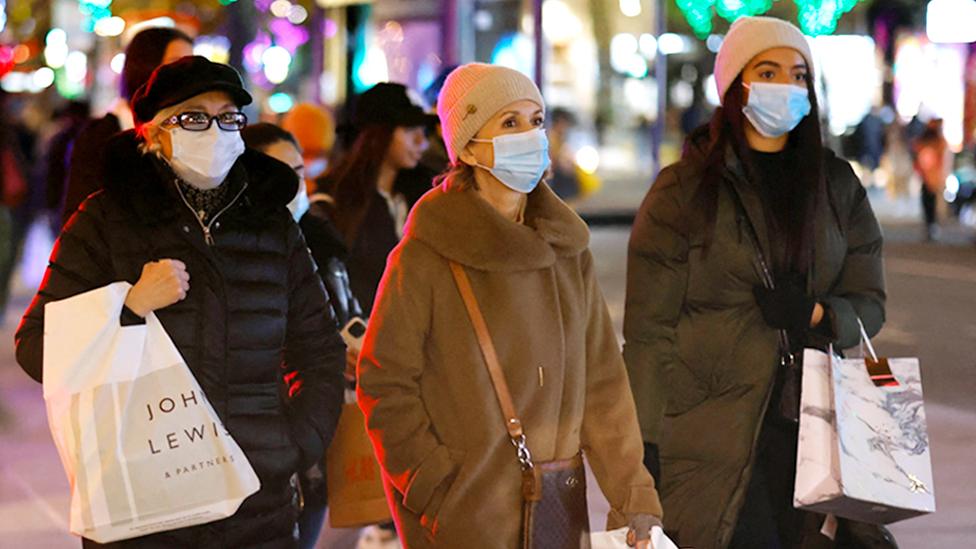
[313, 126]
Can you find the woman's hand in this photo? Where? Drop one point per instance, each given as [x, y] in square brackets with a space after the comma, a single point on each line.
[817, 316]
[639, 534]
[788, 307]
[161, 284]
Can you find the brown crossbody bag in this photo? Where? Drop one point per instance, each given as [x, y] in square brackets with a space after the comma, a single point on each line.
[554, 514]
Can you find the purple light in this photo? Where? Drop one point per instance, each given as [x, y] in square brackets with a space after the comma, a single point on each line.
[254, 51]
[331, 28]
[259, 79]
[263, 5]
[287, 35]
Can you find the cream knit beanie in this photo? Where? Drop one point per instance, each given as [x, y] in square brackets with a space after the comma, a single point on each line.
[472, 94]
[750, 36]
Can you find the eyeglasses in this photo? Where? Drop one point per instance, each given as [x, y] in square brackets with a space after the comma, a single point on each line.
[201, 121]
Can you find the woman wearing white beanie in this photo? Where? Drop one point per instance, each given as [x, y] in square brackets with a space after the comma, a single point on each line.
[492, 254]
[757, 243]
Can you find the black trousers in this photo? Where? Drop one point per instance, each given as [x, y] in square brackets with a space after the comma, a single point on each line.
[768, 519]
[928, 205]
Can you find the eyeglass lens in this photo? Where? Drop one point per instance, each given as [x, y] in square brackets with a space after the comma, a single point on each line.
[201, 121]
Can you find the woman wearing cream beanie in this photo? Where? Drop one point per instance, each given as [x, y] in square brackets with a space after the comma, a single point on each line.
[706, 336]
[453, 475]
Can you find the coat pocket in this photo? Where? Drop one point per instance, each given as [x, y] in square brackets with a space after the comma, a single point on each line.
[442, 502]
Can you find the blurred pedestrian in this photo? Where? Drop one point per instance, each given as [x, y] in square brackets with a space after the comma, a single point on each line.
[870, 138]
[933, 164]
[370, 201]
[199, 225]
[452, 474]
[13, 192]
[435, 159]
[148, 49]
[313, 129]
[326, 247]
[72, 118]
[564, 181]
[701, 328]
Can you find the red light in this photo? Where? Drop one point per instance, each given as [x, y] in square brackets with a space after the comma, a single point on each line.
[6, 59]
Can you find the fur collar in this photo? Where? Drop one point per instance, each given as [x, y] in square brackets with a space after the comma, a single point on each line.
[145, 185]
[464, 228]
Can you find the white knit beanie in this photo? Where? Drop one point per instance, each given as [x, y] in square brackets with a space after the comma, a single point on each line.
[750, 36]
[475, 92]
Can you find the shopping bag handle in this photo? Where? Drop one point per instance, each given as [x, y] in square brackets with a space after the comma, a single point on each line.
[866, 341]
[878, 369]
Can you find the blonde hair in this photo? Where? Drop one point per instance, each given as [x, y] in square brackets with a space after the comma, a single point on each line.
[148, 132]
[459, 176]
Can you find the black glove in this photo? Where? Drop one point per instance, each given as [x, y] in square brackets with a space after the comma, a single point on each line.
[652, 461]
[788, 307]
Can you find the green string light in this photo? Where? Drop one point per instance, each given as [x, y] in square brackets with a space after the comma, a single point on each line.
[819, 17]
[699, 15]
[815, 17]
[94, 10]
[730, 10]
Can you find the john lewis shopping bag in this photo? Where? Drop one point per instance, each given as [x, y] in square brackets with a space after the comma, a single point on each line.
[864, 449]
[143, 449]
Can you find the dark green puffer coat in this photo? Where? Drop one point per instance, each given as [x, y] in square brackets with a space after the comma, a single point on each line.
[701, 360]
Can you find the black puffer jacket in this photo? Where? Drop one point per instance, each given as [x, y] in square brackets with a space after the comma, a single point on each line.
[256, 311]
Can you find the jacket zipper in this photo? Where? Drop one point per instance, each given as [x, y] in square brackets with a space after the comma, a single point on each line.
[205, 227]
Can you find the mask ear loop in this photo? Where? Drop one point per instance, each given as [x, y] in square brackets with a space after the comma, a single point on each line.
[492, 141]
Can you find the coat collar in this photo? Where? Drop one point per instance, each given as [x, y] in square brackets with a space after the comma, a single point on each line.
[146, 186]
[462, 227]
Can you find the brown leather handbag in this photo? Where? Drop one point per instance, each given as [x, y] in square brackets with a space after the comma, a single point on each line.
[554, 514]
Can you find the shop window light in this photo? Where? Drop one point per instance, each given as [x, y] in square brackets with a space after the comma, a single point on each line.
[951, 21]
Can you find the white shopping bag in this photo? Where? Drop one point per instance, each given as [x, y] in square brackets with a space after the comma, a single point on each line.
[863, 451]
[617, 539]
[143, 449]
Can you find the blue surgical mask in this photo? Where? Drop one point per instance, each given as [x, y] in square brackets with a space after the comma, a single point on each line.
[776, 109]
[300, 204]
[520, 159]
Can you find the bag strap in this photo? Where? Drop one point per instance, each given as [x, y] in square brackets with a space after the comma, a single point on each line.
[512, 423]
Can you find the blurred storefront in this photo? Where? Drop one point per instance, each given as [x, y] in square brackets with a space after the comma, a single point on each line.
[631, 77]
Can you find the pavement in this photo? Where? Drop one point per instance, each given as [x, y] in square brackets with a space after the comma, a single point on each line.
[931, 315]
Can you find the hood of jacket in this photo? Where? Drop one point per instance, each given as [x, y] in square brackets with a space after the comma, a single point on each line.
[146, 185]
[463, 227]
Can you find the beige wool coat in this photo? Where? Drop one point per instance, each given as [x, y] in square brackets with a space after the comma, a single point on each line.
[451, 473]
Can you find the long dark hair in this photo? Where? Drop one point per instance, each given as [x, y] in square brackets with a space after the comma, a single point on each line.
[143, 55]
[790, 212]
[352, 181]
